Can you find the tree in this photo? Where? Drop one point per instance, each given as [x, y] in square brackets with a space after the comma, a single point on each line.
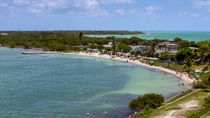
[138, 52]
[152, 49]
[165, 56]
[197, 56]
[80, 36]
[147, 101]
[184, 44]
[183, 54]
[177, 40]
[188, 63]
[124, 47]
[114, 48]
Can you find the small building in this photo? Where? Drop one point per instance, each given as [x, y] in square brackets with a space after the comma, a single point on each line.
[110, 44]
[4, 34]
[119, 54]
[127, 55]
[103, 51]
[133, 50]
[107, 46]
[95, 50]
[169, 46]
[92, 50]
[89, 50]
[81, 47]
[143, 49]
[193, 48]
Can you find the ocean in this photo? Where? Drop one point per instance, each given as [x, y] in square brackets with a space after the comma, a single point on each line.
[70, 86]
[167, 35]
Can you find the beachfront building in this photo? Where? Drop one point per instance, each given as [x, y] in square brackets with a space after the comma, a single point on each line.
[120, 54]
[110, 44]
[143, 49]
[81, 47]
[107, 46]
[127, 55]
[169, 46]
[4, 34]
[104, 51]
[92, 50]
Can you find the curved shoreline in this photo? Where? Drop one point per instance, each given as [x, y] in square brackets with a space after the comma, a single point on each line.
[183, 76]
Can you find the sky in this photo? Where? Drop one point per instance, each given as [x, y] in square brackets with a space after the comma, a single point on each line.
[133, 15]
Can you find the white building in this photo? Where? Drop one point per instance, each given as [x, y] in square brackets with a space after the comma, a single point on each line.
[168, 46]
[4, 34]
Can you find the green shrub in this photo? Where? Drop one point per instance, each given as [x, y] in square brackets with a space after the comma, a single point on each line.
[147, 101]
[207, 100]
[165, 56]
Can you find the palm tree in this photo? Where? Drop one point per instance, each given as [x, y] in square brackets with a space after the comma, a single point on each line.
[152, 50]
[114, 47]
[80, 36]
[197, 56]
[188, 62]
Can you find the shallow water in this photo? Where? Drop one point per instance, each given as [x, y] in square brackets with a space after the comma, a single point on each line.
[167, 35]
[69, 86]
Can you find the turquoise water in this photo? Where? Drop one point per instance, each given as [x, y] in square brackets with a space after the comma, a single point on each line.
[190, 36]
[69, 86]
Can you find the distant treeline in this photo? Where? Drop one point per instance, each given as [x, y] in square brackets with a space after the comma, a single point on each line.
[85, 32]
[62, 40]
[70, 40]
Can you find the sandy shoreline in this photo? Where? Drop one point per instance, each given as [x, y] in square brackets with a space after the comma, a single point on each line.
[183, 76]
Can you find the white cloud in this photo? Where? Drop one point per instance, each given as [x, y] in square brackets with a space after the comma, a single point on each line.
[195, 14]
[132, 11]
[21, 2]
[64, 6]
[51, 6]
[202, 4]
[120, 11]
[117, 1]
[91, 4]
[152, 9]
[184, 13]
[3, 4]
[32, 10]
[192, 14]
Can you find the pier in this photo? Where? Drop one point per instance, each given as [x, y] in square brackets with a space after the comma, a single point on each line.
[33, 53]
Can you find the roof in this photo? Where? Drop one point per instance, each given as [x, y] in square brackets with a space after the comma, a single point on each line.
[169, 43]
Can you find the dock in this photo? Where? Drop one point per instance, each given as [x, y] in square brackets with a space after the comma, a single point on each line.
[33, 53]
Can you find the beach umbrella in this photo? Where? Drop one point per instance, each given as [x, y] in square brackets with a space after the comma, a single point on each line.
[197, 76]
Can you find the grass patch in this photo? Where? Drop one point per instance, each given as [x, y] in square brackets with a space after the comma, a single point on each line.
[198, 114]
[181, 95]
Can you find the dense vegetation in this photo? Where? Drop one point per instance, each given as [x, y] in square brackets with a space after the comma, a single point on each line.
[147, 101]
[60, 41]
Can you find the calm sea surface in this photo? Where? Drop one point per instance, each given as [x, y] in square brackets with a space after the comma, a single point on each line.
[69, 86]
[190, 36]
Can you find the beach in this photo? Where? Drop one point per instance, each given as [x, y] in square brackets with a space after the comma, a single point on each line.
[183, 76]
